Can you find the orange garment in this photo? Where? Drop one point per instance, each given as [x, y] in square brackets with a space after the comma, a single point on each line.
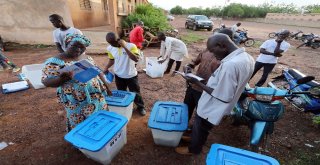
[136, 36]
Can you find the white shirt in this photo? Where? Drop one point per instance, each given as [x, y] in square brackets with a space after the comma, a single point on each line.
[270, 46]
[59, 36]
[234, 28]
[228, 82]
[124, 67]
[173, 48]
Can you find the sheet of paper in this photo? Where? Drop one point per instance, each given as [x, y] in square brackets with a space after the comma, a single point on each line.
[190, 75]
[15, 86]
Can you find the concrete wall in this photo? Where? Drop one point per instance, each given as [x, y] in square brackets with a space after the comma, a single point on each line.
[26, 21]
[307, 20]
[97, 16]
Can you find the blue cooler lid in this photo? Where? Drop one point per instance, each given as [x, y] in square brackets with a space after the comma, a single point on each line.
[169, 116]
[96, 131]
[120, 98]
[225, 155]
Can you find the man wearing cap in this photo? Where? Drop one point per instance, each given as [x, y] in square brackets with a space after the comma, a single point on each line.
[270, 51]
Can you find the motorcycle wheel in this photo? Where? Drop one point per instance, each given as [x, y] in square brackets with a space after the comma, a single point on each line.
[315, 46]
[215, 30]
[249, 42]
[272, 35]
[262, 146]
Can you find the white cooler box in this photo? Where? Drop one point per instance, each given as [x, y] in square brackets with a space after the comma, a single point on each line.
[121, 102]
[101, 136]
[153, 68]
[168, 121]
[33, 73]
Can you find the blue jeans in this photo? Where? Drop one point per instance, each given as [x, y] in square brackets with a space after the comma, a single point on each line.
[200, 132]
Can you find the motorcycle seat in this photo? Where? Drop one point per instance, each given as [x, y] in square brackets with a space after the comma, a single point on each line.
[297, 75]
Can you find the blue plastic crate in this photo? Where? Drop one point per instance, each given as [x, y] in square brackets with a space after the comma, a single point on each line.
[120, 98]
[225, 155]
[169, 116]
[96, 131]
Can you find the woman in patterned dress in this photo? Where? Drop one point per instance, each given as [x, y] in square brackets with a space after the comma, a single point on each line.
[80, 100]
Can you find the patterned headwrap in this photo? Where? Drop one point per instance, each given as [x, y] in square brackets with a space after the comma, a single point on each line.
[77, 37]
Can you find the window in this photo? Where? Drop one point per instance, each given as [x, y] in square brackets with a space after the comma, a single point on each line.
[105, 5]
[121, 7]
[85, 4]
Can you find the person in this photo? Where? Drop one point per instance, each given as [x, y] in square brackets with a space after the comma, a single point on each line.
[136, 35]
[207, 63]
[172, 48]
[80, 100]
[236, 31]
[5, 63]
[61, 32]
[222, 91]
[123, 56]
[270, 51]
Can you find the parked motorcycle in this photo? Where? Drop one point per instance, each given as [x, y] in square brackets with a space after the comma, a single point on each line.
[312, 41]
[293, 35]
[260, 108]
[304, 102]
[243, 38]
[222, 26]
[2, 46]
[172, 33]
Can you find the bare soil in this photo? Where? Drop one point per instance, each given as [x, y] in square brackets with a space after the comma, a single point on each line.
[35, 123]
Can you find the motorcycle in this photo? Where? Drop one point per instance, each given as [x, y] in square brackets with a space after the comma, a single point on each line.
[259, 108]
[2, 46]
[304, 102]
[312, 41]
[172, 33]
[243, 38]
[222, 26]
[291, 36]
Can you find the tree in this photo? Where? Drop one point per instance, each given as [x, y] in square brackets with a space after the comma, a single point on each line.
[235, 11]
[177, 10]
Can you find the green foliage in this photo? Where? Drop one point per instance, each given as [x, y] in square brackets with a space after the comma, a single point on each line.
[150, 15]
[316, 120]
[178, 10]
[313, 8]
[236, 10]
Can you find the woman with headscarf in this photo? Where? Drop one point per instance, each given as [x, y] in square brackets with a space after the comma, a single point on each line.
[80, 100]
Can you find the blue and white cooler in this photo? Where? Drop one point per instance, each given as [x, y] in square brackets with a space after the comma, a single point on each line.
[101, 136]
[221, 155]
[168, 121]
[121, 102]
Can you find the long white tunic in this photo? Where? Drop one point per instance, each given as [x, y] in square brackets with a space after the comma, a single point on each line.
[174, 49]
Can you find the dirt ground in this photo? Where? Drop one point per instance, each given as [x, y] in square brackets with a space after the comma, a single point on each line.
[35, 123]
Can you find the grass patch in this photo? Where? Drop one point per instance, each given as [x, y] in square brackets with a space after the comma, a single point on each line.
[305, 158]
[257, 44]
[192, 38]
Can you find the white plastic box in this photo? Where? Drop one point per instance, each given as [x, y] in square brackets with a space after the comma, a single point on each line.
[101, 136]
[121, 102]
[153, 68]
[168, 121]
[34, 73]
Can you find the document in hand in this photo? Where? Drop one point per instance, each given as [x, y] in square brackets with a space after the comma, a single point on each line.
[189, 75]
[14, 87]
[83, 70]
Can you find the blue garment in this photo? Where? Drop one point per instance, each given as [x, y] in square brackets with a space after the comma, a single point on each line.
[80, 100]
